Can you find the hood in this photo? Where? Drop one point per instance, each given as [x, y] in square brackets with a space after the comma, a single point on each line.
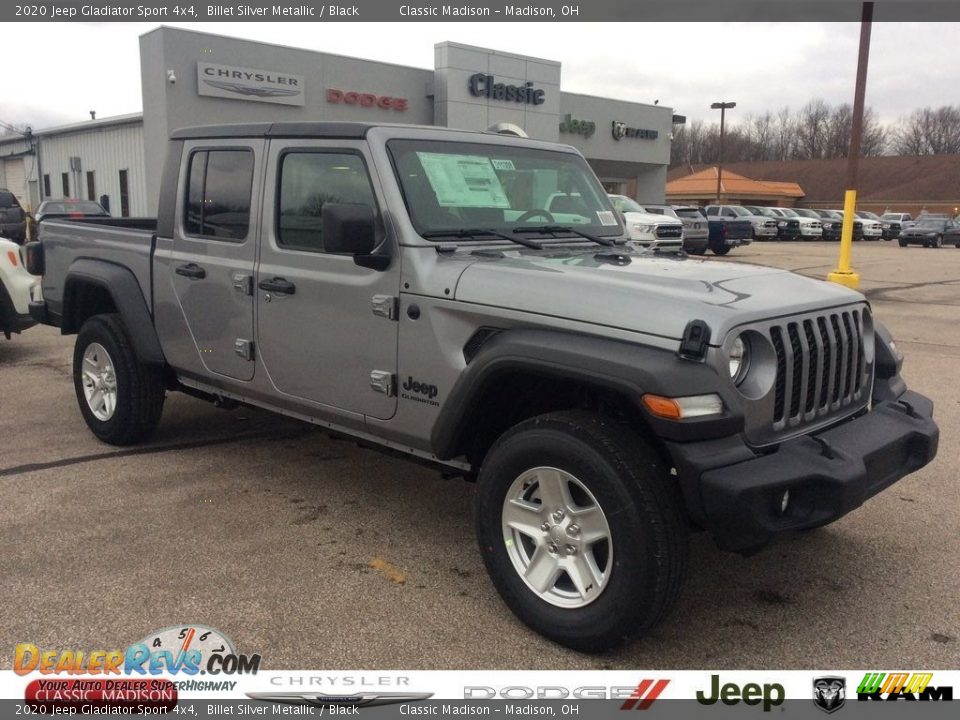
[652, 294]
[651, 219]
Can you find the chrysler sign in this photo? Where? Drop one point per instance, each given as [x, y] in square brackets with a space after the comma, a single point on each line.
[240, 83]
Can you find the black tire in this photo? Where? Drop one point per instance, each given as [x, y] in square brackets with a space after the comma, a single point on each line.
[648, 530]
[139, 388]
[719, 248]
[699, 250]
[938, 243]
[903, 243]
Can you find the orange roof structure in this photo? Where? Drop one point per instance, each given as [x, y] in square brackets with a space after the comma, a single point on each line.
[702, 187]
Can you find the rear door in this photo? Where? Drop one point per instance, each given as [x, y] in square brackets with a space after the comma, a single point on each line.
[327, 328]
[214, 250]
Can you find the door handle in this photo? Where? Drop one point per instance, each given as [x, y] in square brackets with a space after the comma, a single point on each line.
[278, 285]
[191, 270]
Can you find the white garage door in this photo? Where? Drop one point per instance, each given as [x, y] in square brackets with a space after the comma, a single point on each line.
[17, 180]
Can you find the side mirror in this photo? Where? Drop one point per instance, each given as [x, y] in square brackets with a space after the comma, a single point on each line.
[351, 229]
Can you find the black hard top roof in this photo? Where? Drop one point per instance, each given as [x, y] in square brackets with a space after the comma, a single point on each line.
[337, 130]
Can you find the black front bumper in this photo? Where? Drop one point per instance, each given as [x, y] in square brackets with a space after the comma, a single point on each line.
[828, 474]
[10, 320]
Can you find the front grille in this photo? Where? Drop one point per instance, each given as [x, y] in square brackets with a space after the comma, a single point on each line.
[793, 223]
[669, 231]
[821, 366]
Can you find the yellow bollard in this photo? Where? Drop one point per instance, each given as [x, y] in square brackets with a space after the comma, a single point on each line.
[844, 275]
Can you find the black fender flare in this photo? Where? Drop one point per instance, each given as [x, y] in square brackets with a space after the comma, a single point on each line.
[628, 369]
[124, 289]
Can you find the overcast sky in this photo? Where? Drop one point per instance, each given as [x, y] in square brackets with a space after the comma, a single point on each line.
[58, 72]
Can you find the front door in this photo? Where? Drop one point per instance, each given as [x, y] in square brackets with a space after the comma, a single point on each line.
[319, 336]
[214, 250]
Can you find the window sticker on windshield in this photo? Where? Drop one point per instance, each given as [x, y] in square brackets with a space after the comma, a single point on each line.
[463, 180]
[606, 217]
[503, 164]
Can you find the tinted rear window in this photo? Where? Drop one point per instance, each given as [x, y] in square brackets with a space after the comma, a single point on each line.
[7, 199]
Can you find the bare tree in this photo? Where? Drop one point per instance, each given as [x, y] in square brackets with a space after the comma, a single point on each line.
[928, 131]
[784, 135]
[812, 129]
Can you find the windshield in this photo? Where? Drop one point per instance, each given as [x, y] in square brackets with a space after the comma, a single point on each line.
[892, 216]
[803, 212]
[931, 224]
[787, 212]
[739, 211]
[767, 212]
[625, 204]
[867, 215]
[456, 185]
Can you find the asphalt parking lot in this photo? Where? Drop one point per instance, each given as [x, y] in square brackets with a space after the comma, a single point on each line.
[318, 554]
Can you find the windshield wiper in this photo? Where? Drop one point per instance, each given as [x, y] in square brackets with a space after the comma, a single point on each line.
[467, 233]
[554, 229]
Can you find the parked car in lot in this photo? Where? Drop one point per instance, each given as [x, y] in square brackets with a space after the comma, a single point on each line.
[832, 223]
[13, 220]
[695, 232]
[931, 232]
[787, 228]
[902, 218]
[604, 398]
[17, 289]
[836, 228]
[894, 223]
[810, 228]
[764, 228]
[872, 226]
[727, 233]
[653, 230]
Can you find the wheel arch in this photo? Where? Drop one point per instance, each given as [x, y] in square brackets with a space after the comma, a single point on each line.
[93, 287]
[517, 374]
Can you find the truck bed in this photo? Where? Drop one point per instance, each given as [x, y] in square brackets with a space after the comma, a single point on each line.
[127, 242]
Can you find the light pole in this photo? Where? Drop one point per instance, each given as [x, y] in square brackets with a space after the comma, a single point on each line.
[722, 107]
[844, 273]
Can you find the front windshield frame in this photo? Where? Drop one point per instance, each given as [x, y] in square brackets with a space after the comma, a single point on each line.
[519, 176]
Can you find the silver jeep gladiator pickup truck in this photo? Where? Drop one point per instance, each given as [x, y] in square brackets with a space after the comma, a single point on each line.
[408, 287]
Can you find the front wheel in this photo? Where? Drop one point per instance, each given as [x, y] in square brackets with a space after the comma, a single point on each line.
[938, 243]
[120, 398]
[581, 529]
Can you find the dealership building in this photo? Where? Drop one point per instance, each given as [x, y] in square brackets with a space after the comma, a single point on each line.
[193, 78]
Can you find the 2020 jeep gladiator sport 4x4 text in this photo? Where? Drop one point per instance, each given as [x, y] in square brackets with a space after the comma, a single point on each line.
[407, 286]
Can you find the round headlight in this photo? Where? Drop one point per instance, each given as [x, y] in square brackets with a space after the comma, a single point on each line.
[739, 360]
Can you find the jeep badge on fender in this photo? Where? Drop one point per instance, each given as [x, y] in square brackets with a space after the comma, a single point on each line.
[496, 267]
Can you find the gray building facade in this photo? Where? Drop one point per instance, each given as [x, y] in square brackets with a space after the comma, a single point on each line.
[194, 78]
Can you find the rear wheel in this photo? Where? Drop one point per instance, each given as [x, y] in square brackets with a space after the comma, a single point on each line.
[938, 243]
[903, 243]
[581, 529]
[120, 398]
[719, 248]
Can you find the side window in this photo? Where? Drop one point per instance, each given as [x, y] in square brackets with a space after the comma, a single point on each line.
[711, 211]
[308, 180]
[218, 194]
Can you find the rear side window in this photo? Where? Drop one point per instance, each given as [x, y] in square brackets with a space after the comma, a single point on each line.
[309, 180]
[219, 183]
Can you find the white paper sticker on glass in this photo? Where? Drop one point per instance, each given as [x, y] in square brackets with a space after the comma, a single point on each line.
[606, 217]
[463, 180]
